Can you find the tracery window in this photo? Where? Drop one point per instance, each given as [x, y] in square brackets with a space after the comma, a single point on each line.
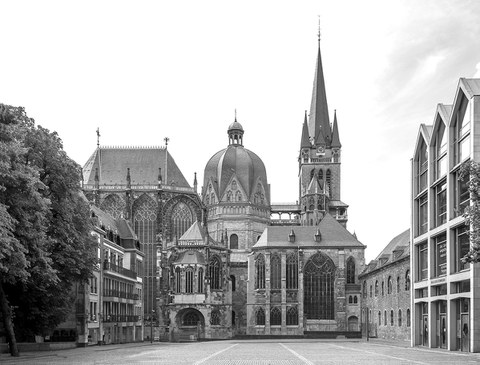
[350, 271]
[215, 317]
[319, 278]
[292, 271]
[260, 272]
[191, 319]
[234, 242]
[275, 272]
[200, 281]
[292, 316]
[178, 280]
[328, 179]
[114, 206]
[189, 280]
[229, 196]
[320, 175]
[214, 268]
[260, 317]
[311, 204]
[144, 218]
[275, 317]
[182, 219]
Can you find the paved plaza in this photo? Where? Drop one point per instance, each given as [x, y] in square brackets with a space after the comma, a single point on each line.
[286, 352]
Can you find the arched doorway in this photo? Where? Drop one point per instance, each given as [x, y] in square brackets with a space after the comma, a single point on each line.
[189, 325]
[353, 324]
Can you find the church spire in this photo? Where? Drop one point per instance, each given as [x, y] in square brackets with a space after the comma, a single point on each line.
[319, 122]
[335, 136]
[305, 142]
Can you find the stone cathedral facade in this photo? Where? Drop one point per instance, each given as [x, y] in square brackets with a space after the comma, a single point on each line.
[217, 263]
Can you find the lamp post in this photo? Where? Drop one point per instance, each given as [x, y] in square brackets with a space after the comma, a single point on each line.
[151, 326]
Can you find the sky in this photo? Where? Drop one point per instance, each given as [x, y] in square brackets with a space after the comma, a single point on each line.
[141, 71]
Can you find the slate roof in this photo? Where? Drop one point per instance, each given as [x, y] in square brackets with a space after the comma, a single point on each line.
[112, 164]
[190, 257]
[400, 243]
[333, 235]
[195, 233]
[120, 225]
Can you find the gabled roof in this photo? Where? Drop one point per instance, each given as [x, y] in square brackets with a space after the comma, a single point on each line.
[470, 86]
[333, 235]
[144, 163]
[319, 120]
[195, 233]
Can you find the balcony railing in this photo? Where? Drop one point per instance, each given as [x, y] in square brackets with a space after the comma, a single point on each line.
[121, 318]
[119, 294]
[119, 269]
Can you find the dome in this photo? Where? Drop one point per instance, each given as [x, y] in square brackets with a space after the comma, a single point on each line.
[235, 126]
[237, 160]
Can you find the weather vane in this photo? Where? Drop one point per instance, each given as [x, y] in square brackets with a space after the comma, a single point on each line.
[166, 139]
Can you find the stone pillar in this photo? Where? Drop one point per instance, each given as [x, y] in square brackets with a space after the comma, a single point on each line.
[267, 293]
[284, 291]
[452, 324]
[340, 316]
[474, 307]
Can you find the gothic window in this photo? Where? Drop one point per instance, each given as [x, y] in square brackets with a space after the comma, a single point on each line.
[319, 278]
[376, 288]
[364, 289]
[292, 271]
[311, 204]
[238, 196]
[371, 291]
[215, 317]
[191, 319]
[312, 174]
[391, 317]
[259, 198]
[407, 280]
[207, 199]
[350, 299]
[144, 218]
[200, 281]
[385, 322]
[260, 272]
[234, 185]
[320, 175]
[233, 280]
[214, 272]
[328, 179]
[275, 317]
[399, 318]
[398, 284]
[189, 280]
[383, 288]
[275, 272]
[355, 299]
[178, 280]
[389, 285]
[350, 271]
[234, 242]
[408, 317]
[292, 316]
[379, 318]
[182, 219]
[260, 317]
[229, 196]
[212, 198]
[114, 206]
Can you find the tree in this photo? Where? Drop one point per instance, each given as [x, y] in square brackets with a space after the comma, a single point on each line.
[46, 244]
[471, 170]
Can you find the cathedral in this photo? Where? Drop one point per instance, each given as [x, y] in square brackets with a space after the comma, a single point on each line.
[217, 262]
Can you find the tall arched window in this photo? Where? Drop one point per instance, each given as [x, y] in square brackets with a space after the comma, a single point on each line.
[233, 280]
[214, 267]
[144, 218]
[275, 272]
[399, 318]
[391, 317]
[189, 280]
[350, 271]
[398, 284]
[113, 205]
[408, 317]
[328, 180]
[389, 285]
[260, 317]
[292, 316]
[407, 280]
[320, 174]
[200, 281]
[234, 242]
[319, 279]
[275, 317]
[229, 196]
[376, 288]
[182, 219]
[385, 322]
[260, 272]
[292, 271]
[238, 196]
[383, 288]
[379, 318]
[371, 291]
[178, 280]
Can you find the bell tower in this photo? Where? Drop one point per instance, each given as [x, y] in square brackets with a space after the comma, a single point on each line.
[320, 159]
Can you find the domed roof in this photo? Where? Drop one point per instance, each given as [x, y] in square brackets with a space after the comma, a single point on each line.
[235, 126]
[236, 159]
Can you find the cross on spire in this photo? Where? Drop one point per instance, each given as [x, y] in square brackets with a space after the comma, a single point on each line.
[98, 137]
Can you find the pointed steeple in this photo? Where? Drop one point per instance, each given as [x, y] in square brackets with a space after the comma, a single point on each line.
[319, 121]
[335, 136]
[305, 142]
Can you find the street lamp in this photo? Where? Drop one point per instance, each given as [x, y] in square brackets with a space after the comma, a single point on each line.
[151, 326]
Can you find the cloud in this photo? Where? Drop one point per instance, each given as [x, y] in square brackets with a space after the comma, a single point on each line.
[477, 74]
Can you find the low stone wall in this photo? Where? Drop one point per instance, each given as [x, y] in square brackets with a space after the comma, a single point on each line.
[41, 346]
